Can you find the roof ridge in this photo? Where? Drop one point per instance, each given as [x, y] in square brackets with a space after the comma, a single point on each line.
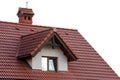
[34, 25]
[21, 24]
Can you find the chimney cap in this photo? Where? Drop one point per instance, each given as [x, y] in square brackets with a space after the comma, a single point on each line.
[26, 11]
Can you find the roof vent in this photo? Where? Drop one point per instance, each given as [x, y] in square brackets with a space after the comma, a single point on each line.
[25, 15]
[66, 33]
[31, 30]
[17, 28]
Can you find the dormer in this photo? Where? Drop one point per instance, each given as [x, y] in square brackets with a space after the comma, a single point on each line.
[25, 15]
[46, 51]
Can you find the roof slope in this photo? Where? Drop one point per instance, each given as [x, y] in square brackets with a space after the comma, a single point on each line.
[89, 66]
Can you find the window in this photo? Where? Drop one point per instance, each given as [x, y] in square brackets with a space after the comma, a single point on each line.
[25, 17]
[49, 63]
[29, 18]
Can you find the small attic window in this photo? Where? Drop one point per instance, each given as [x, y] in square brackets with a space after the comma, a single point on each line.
[49, 63]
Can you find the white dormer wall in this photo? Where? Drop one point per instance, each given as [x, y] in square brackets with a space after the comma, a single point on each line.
[36, 61]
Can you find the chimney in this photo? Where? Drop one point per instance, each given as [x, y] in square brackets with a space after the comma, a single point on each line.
[25, 15]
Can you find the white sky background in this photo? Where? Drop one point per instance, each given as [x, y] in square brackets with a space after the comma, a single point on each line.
[97, 20]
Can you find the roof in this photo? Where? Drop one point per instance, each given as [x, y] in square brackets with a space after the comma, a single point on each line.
[89, 65]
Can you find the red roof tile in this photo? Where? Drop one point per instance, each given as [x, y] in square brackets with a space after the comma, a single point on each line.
[89, 66]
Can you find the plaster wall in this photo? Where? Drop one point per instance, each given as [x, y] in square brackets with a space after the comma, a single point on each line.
[35, 62]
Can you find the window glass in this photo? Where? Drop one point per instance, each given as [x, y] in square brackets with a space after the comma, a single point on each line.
[44, 63]
[51, 65]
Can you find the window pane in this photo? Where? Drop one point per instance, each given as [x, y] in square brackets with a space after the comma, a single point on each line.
[51, 65]
[44, 63]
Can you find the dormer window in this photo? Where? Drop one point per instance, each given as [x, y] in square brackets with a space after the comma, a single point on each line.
[49, 53]
[49, 63]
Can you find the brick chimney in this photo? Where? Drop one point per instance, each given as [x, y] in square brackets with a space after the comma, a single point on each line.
[25, 15]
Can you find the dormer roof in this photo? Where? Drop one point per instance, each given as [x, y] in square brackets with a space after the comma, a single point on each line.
[32, 43]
